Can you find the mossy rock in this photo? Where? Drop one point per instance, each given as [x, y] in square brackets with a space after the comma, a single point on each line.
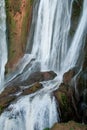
[65, 98]
[71, 125]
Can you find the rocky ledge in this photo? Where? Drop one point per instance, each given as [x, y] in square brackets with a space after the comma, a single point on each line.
[17, 88]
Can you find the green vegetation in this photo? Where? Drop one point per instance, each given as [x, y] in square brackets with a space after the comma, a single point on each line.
[31, 2]
[71, 128]
[64, 101]
[46, 129]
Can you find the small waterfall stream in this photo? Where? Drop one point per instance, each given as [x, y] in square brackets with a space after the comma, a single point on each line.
[3, 44]
[52, 50]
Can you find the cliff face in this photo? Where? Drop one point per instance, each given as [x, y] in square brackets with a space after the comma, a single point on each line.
[19, 15]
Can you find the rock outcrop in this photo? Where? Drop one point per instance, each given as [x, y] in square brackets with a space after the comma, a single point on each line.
[12, 93]
[67, 103]
[19, 15]
[17, 88]
[69, 126]
[33, 77]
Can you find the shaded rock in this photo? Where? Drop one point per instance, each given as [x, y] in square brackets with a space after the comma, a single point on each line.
[71, 125]
[39, 77]
[85, 56]
[5, 102]
[33, 78]
[82, 81]
[82, 106]
[67, 77]
[67, 103]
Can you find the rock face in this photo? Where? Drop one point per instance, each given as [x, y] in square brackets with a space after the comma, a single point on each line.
[34, 77]
[69, 126]
[19, 15]
[82, 81]
[67, 103]
[67, 77]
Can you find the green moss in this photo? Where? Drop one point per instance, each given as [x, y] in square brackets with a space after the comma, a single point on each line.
[46, 129]
[11, 25]
[71, 128]
[64, 101]
[31, 2]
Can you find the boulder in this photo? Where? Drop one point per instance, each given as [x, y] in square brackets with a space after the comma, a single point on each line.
[33, 78]
[67, 103]
[39, 77]
[71, 125]
[67, 77]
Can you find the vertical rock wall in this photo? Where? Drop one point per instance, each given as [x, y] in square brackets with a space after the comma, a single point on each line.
[19, 15]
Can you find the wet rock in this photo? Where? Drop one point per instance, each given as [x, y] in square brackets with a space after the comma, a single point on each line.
[33, 78]
[67, 103]
[67, 77]
[82, 106]
[5, 102]
[12, 93]
[39, 77]
[37, 86]
[10, 90]
[82, 82]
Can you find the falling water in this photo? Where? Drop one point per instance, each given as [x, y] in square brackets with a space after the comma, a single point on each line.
[51, 48]
[51, 33]
[78, 42]
[3, 46]
[30, 113]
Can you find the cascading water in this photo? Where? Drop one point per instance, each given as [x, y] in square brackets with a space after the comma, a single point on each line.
[26, 114]
[52, 49]
[3, 45]
[78, 41]
[51, 33]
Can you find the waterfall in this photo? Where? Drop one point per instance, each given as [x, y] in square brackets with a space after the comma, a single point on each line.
[78, 41]
[3, 44]
[50, 47]
[27, 114]
[50, 42]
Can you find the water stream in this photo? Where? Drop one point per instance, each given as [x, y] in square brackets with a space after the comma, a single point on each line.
[51, 50]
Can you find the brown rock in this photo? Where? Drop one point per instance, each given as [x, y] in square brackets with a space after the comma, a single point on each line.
[32, 89]
[39, 77]
[5, 102]
[9, 94]
[67, 103]
[67, 77]
[33, 78]
[71, 125]
[9, 91]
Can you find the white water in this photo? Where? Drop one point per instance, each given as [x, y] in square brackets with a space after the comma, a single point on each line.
[3, 45]
[52, 49]
[34, 114]
[51, 33]
[78, 43]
